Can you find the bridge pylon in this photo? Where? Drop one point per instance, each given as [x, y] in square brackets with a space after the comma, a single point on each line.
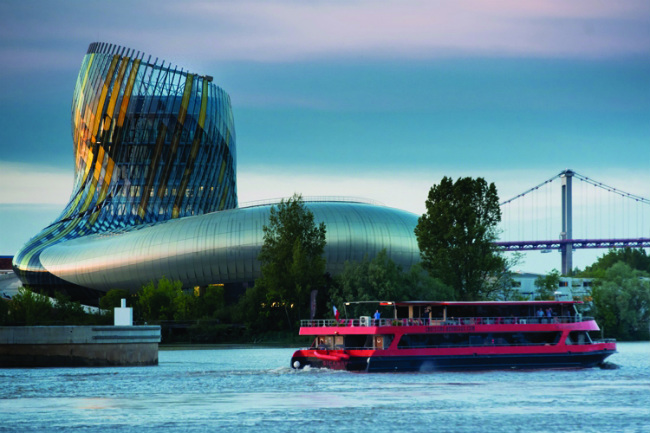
[567, 224]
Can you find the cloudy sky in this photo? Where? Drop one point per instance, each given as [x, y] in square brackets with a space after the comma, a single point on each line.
[370, 98]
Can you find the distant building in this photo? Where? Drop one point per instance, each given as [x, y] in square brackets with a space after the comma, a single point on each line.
[5, 263]
[525, 283]
[568, 287]
[155, 191]
[576, 286]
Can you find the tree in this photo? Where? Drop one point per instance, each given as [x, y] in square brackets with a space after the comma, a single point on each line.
[4, 311]
[211, 303]
[68, 311]
[30, 308]
[113, 299]
[547, 285]
[636, 258]
[456, 236]
[381, 279]
[422, 286]
[292, 258]
[163, 301]
[621, 302]
[502, 286]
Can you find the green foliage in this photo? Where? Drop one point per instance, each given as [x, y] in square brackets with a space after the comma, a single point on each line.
[69, 312]
[501, 286]
[31, 308]
[547, 285]
[262, 313]
[635, 258]
[188, 317]
[381, 279]
[292, 262]
[621, 303]
[113, 299]
[211, 304]
[4, 311]
[456, 237]
[163, 301]
[376, 279]
[422, 286]
[254, 309]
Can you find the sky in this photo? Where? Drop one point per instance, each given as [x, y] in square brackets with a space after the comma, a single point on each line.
[367, 98]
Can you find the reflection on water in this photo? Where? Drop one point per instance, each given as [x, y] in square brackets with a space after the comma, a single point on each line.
[253, 389]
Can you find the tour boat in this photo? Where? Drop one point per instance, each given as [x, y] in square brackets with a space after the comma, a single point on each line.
[431, 336]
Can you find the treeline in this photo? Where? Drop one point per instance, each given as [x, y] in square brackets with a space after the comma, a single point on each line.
[29, 308]
[374, 279]
[620, 295]
[184, 316]
[619, 300]
[260, 315]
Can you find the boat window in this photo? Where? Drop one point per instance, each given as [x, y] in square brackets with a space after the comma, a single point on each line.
[323, 342]
[410, 341]
[357, 341]
[578, 337]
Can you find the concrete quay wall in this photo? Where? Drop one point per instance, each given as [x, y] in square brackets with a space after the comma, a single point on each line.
[78, 346]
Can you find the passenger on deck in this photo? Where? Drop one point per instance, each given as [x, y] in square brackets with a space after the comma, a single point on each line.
[425, 316]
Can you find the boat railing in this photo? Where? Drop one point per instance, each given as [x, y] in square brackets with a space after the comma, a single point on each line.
[439, 346]
[450, 321]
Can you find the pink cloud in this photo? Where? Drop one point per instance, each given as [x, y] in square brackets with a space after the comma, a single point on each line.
[290, 29]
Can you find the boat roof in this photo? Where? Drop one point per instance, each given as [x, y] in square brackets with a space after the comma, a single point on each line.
[473, 303]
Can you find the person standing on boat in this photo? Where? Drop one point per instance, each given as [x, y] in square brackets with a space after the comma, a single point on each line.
[377, 316]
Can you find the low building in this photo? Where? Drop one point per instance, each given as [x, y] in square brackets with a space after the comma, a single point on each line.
[568, 287]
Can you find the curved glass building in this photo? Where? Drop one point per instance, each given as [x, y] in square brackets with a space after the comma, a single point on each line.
[155, 190]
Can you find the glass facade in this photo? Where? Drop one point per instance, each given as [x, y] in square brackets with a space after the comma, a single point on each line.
[155, 190]
[151, 141]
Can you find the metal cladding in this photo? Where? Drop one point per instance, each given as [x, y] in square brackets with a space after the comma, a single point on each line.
[222, 247]
[155, 190]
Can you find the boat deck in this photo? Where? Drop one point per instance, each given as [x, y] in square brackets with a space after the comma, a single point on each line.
[455, 321]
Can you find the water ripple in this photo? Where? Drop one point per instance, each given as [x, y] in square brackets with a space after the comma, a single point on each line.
[255, 390]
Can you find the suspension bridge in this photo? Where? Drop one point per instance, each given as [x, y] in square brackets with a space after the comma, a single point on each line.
[604, 217]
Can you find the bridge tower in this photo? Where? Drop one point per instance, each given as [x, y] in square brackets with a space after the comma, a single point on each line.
[567, 226]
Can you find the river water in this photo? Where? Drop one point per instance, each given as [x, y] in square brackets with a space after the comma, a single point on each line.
[254, 389]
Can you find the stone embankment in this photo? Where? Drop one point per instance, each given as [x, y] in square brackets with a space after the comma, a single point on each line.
[78, 346]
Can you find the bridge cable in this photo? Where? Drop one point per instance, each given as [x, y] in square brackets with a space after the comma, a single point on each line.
[530, 190]
[612, 189]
